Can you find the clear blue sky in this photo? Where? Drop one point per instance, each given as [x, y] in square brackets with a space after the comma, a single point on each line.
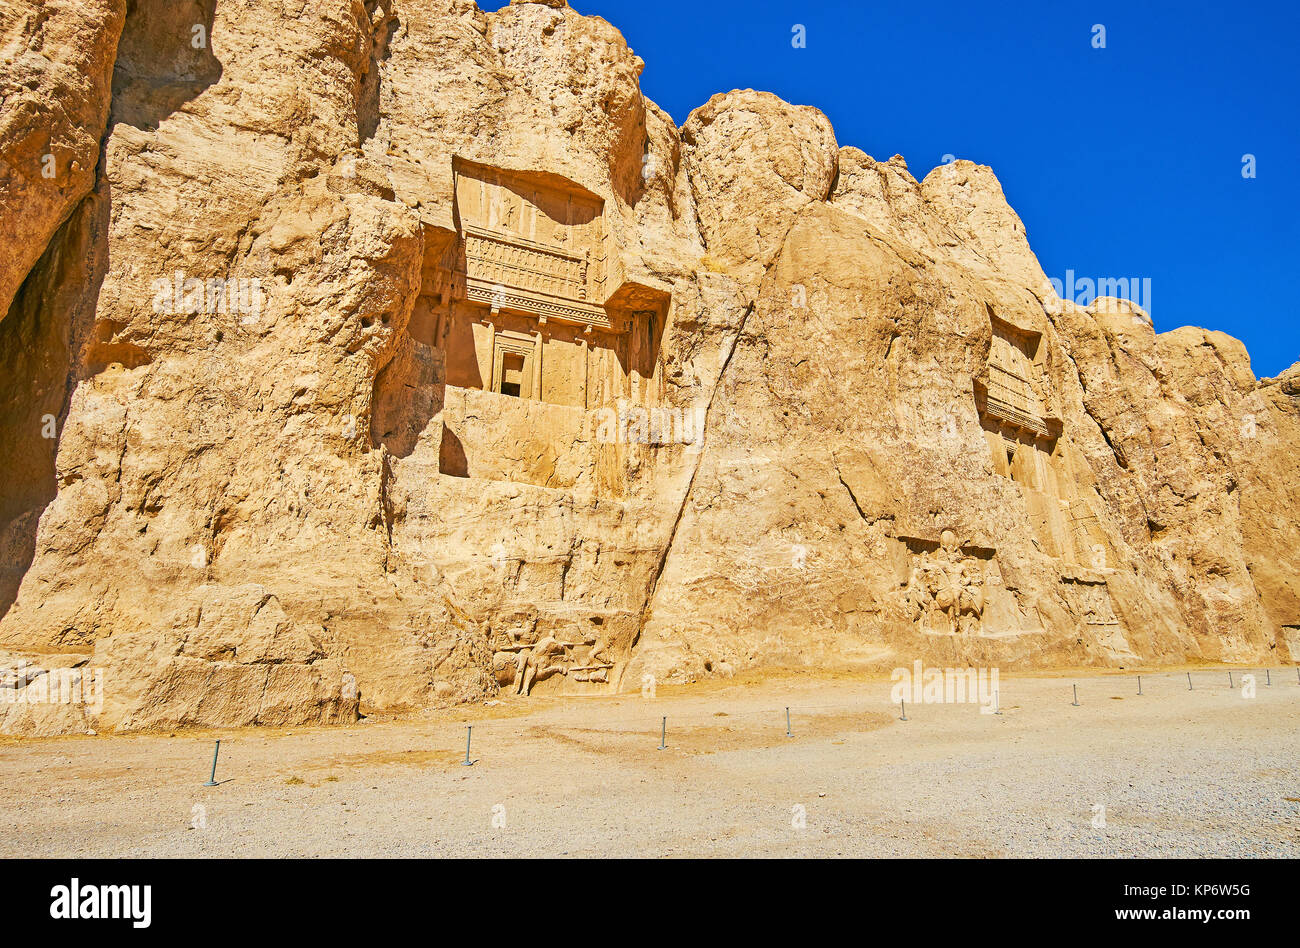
[1123, 162]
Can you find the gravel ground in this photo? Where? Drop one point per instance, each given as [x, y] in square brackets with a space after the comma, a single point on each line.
[1179, 773]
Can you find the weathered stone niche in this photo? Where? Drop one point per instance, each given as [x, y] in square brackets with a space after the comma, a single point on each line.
[1023, 432]
[521, 299]
[523, 309]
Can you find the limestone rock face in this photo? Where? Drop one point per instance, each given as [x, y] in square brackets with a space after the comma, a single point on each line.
[390, 354]
[56, 61]
[755, 162]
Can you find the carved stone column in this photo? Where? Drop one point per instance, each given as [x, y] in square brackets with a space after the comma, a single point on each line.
[537, 359]
[586, 366]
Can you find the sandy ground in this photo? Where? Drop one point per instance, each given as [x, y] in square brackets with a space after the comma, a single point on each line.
[1183, 773]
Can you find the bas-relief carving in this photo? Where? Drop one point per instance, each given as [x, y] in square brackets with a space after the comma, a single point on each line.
[530, 261]
[945, 590]
[1013, 394]
[523, 659]
[532, 248]
[1090, 601]
[1024, 437]
[957, 589]
[1013, 410]
[1291, 639]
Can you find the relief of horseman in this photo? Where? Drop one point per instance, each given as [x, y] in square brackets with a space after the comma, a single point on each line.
[947, 582]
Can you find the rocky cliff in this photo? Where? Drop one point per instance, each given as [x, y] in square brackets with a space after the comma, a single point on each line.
[388, 354]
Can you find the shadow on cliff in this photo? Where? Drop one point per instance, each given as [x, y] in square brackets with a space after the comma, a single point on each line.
[408, 393]
[164, 60]
[386, 24]
[50, 340]
[40, 337]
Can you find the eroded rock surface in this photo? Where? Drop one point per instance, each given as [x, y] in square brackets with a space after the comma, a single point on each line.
[394, 354]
